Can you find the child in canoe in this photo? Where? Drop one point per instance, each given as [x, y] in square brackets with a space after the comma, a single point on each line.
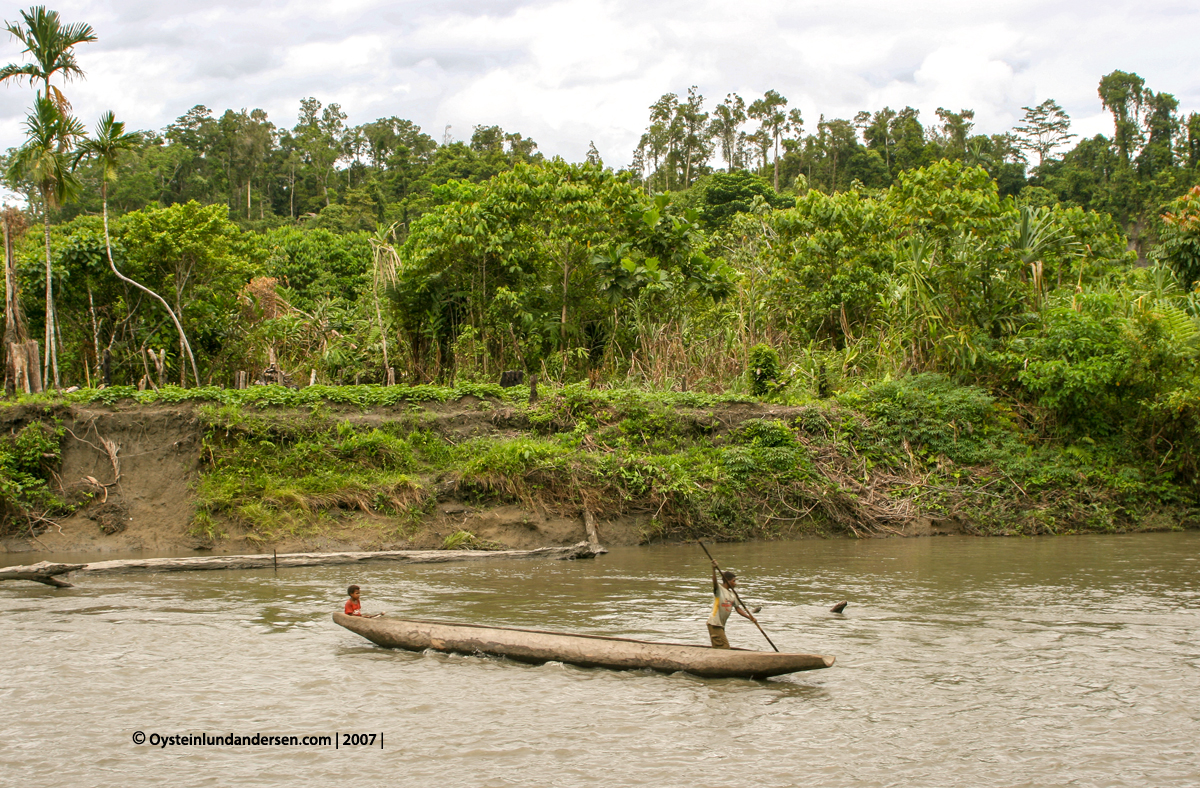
[354, 604]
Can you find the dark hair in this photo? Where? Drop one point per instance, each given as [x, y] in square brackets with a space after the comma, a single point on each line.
[350, 591]
[727, 576]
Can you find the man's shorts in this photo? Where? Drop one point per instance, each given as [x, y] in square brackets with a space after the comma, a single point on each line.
[717, 635]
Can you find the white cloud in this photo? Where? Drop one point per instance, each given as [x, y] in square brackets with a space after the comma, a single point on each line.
[569, 71]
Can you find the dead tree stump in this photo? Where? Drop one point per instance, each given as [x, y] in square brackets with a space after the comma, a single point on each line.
[589, 524]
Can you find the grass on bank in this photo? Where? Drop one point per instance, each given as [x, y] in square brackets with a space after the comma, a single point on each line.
[366, 396]
[864, 463]
[281, 462]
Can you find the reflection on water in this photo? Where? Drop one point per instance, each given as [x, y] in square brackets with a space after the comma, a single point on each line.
[961, 662]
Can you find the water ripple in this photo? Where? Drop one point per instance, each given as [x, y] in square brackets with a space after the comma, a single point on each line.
[960, 663]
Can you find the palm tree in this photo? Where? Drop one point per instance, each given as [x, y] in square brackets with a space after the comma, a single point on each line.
[45, 159]
[51, 131]
[110, 142]
[51, 46]
[1033, 234]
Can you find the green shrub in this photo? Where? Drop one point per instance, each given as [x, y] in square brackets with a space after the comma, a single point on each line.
[933, 414]
[763, 371]
[28, 457]
[1093, 367]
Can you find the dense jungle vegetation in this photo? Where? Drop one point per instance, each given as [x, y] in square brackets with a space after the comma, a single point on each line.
[1045, 286]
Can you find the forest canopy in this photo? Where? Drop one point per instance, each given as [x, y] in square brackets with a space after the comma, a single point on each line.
[744, 248]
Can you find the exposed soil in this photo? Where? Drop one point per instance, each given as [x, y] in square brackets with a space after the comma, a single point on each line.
[149, 506]
[132, 469]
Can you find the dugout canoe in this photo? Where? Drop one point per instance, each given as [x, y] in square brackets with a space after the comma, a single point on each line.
[589, 651]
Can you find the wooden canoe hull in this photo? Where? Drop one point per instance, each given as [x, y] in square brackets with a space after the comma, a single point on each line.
[589, 651]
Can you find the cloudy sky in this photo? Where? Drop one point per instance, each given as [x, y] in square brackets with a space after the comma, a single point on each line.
[567, 72]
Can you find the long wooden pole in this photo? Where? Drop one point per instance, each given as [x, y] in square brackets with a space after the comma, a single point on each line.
[738, 598]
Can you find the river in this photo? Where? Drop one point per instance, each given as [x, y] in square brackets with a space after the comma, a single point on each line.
[960, 662]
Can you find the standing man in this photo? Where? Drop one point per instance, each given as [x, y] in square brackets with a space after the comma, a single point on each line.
[724, 602]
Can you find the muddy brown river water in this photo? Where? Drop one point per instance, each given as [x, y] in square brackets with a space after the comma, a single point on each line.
[1071, 661]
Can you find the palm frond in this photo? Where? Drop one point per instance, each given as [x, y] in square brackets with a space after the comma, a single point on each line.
[1182, 328]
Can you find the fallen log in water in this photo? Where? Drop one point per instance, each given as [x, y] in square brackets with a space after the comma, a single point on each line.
[39, 573]
[43, 572]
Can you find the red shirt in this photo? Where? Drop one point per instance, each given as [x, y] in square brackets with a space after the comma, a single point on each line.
[352, 608]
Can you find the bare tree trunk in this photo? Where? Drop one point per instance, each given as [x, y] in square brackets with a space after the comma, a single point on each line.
[95, 338]
[160, 364]
[147, 378]
[33, 382]
[51, 362]
[16, 372]
[16, 335]
[23, 367]
[776, 162]
[14, 320]
[563, 325]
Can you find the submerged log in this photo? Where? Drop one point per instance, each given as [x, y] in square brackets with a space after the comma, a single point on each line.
[43, 572]
[270, 561]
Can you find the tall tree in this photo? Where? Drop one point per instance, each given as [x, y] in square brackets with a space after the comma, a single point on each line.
[243, 141]
[45, 159]
[837, 141]
[770, 112]
[521, 148]
[908, 136]
[760, 141]
[1123, 94]
[110, 142]
[728, 118]
[693, 124]
[1162, 126]
[195, 173]
[661, 139]
[319, 135]
[1043, 128]
[956, 128]
[51, 45]
[877, 133]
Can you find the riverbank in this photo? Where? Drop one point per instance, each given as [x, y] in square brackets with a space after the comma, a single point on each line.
[370, 468]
